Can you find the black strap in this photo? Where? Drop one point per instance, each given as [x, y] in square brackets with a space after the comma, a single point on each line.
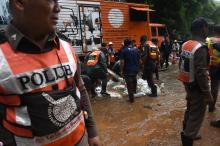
[66, 79]
[75, 80]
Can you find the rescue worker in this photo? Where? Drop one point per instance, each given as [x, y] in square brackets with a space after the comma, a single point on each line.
[104, 49]
[97, 69]
[193, 73]
[214, 47]
[42, 94]
[111, 55]
[129, 67]
[156, 71]
[149, 58]
[175, 50]
[214, 50]
[165, 51]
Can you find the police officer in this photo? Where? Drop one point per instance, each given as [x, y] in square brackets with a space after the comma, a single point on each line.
[104, 49]
[214, 50]
[155, 44]
[44, 99]
[97, 69]
[214, 47]
[165, 50]
[111, 55]
[149, 57]
[193, 74]
[175, 50]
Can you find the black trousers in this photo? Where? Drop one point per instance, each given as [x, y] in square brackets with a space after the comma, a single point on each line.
[195, 112]
[87, 82]
[165, 58]
[148, 75]
[156, 71]
[98, 75]
[214, 91]
[131, 81]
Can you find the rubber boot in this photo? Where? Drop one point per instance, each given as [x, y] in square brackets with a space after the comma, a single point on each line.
[198, 137]
[154, 92]
[186, 141]
[215, 123]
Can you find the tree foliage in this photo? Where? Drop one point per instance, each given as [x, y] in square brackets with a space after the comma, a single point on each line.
[178, 14]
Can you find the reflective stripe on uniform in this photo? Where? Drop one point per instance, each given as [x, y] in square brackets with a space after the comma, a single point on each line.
[18, 115]
[71, 59]
[93, 58]
[192, 72]
[19, 131]
[69, 54]
[12, 100]
[67, 136]
[214, 54]
[33, 73]
[4, 68]
[188, 51]
[28, 81]
[7, 80]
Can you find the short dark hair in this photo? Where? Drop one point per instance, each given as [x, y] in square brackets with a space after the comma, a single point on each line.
[127, 42]
[198, 24]
[143, 38]
[104, 45]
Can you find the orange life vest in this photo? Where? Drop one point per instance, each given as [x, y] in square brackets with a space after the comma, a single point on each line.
[214, 53]
[93, 58]
[186, 73]
[27, 74]
[153, 52]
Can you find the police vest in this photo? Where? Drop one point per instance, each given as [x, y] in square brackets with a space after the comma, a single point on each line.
[153, 50]
[34, 112]
[186, 73]
[93, 58]
[214, 50]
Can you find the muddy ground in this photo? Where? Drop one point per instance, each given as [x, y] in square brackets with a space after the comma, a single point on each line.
[150, 121]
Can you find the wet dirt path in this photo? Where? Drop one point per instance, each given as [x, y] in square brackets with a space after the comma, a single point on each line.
[150, 121]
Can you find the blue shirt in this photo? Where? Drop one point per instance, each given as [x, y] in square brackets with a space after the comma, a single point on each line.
[131, 59]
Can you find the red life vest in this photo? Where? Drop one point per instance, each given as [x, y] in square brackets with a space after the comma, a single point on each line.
[22, 77]
[93, 58]
[186, 73]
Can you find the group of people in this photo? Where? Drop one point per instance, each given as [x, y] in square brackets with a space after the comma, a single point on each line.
[43, 99]
[131, 61]
[199, 64]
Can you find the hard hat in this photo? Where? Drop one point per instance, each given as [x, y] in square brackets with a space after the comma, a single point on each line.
[110, 43]
[175, 41]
